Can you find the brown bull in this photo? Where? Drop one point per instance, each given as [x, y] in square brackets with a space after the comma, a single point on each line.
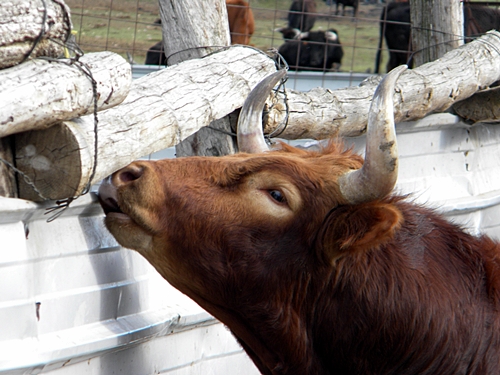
[309, 260]
[241, 21]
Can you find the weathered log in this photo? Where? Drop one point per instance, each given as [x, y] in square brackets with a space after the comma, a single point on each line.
[188, 28]
[483, 106]
[212, 140]
[43, 26]
[162, 109]
[432, 87]
[39, 93]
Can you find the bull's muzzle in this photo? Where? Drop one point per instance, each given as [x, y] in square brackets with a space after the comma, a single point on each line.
[108, 191]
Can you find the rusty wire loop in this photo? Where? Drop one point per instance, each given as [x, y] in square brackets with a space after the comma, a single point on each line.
[69, 44]
[491, 45]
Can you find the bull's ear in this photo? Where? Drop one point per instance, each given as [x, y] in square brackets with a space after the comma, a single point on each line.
[357, 228]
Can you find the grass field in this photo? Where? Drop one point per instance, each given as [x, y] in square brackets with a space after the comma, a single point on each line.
[127, 26]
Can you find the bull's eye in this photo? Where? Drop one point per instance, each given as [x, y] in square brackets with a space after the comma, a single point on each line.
[277, 195]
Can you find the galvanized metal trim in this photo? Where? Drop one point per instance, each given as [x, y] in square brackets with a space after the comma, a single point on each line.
[14, 210]
[83, 342]
[470, 204]
[438, 121]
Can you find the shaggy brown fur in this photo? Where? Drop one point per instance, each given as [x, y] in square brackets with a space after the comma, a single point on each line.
[307, 283]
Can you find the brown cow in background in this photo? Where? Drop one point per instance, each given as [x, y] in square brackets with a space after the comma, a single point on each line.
[309, 260]
[241, 21]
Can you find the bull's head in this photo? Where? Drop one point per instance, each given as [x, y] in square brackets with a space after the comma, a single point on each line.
[228, 231]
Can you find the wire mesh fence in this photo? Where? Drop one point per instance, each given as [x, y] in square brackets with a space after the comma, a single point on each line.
[132, 27]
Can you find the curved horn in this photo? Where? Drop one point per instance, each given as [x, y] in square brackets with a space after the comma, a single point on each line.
[379, 173]
[250, 133]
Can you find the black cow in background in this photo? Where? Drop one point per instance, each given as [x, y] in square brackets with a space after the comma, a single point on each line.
[479, 19]
[156, 55]
[313, 50]
[302, 15]
[345, 3]
[395, 26]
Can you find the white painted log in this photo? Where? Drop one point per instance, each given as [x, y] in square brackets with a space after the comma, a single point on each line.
[433, 87]
[22, 22]
[37, 94]
[162, 109]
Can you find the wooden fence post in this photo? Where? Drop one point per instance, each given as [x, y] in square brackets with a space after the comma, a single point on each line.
[436, 28]
[191, 29]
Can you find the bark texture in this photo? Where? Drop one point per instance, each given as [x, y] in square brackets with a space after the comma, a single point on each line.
[59, 91]
[45, 24]
[483, 106]
[437, 28]
[190, 26]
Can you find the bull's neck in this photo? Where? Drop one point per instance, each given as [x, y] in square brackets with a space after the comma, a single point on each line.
[275, 335]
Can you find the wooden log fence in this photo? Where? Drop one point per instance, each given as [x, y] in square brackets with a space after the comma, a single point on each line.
[39, 93]
[165, 107]
[187, 27]
[162, 109]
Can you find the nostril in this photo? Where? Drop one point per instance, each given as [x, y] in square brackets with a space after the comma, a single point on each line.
[131, 173]
[127, 176]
